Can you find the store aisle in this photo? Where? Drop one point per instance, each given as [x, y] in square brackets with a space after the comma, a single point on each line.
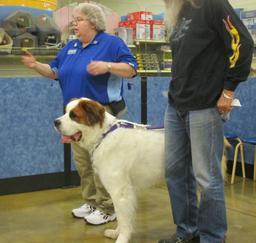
[44, 216]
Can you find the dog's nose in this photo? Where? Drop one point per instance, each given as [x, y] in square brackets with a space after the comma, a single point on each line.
[57, 123]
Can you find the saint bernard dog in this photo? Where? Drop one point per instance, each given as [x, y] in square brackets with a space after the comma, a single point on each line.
[127, 156]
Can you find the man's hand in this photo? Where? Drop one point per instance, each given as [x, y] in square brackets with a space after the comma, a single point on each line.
[225, 101]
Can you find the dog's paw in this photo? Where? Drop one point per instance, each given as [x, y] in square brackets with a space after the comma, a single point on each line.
[110, 233]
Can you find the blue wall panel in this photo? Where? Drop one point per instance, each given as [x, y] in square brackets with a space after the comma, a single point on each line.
[157, 99]
[29, 143]
[242, 120]
[132, 91]
[28, 106]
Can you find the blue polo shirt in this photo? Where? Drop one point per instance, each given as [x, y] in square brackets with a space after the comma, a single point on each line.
[71, 67]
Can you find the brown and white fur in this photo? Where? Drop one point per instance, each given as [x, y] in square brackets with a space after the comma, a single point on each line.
[127, 160]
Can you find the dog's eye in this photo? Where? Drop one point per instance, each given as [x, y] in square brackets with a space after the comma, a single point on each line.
[72, 115]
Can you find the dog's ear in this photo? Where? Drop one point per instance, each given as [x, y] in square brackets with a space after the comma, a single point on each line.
[65, 109]
[94, 112]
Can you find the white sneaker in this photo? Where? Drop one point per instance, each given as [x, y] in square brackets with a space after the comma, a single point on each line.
[97, 217]
[83, 211]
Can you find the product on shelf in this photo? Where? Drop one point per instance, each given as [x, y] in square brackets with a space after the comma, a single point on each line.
[141, 29]
[145, 25]
[25, 40]
[19, 23]
[249, 20]
[22, 29]
[125, 33]
[48, 31]
[6, 42]
[147, 61]
[140, 15]
[157, 30]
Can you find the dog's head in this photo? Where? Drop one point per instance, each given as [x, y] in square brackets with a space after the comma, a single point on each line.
[80, 113]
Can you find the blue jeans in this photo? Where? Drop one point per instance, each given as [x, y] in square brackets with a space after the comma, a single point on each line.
[194, 147]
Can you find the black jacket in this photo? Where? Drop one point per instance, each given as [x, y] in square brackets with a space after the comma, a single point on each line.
[212, 50]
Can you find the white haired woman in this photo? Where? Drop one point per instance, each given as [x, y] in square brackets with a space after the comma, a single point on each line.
[212, 52]
[92, 66]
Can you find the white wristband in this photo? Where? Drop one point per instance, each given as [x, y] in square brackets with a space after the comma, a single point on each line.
[227, 96]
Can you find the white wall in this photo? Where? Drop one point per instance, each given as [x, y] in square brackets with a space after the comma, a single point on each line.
[122, 7]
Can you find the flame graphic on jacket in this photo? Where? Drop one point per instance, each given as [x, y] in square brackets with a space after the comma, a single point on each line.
[235, 42]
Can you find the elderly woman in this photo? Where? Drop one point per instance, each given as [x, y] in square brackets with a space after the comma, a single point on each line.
[212, 53]
[92, 66]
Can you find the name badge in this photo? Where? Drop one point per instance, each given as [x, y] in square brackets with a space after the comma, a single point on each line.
[71, 51]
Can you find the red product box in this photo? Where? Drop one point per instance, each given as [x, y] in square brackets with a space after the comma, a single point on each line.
[125, 24]
[157, 30]
[140, 15]
[157, 21]
[141, 29]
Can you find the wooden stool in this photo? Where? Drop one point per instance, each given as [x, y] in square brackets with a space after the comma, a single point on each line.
[238, 147]
[251, 141]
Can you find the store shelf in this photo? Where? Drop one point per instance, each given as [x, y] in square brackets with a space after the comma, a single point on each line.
[11, 65]
[159, 73]
[43, 51]
[168, 51]
[137, 42]
[131, 46]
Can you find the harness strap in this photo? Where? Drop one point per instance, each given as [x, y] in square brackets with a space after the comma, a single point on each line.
[125, 124]
[117, 125]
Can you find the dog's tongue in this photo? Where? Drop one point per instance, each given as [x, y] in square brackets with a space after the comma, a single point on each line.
[66, 139]
[74, 138]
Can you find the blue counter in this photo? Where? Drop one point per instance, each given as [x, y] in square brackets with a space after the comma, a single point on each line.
[28, 107]
[29, 144]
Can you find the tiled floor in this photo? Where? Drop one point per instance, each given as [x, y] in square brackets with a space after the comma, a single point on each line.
[44, 216]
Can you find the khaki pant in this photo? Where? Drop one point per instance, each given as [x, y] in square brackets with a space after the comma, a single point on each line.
[93, 192]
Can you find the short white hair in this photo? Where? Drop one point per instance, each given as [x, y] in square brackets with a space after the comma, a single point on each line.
[94, 14]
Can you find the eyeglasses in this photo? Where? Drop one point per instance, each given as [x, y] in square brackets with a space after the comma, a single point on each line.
[77, 20]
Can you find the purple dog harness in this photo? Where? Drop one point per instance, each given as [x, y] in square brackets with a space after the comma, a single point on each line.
[128, 125]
